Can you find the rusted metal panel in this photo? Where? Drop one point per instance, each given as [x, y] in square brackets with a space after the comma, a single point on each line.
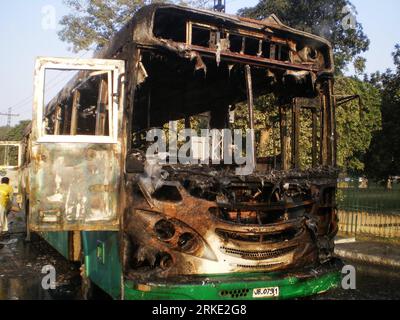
[74, 187]
[75, 180]
[189, 234]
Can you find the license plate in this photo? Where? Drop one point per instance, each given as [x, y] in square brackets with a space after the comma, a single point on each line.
[272, 292]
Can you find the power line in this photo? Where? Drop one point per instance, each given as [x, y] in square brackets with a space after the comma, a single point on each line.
[21, 103]
[49, 85]
[9, 115]
[25, 101]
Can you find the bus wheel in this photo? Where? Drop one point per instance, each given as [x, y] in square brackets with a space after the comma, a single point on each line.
[86, 284]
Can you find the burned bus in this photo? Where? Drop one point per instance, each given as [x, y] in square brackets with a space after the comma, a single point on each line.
[147, 228]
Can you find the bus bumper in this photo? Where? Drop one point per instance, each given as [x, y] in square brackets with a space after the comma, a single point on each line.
[241, 286]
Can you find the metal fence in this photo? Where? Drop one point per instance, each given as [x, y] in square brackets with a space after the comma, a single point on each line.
[372, 211]
[374, 224]
[374, 199]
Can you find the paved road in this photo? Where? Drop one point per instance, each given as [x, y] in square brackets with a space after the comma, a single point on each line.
[21, 271]
[372, 282]
[21, 264]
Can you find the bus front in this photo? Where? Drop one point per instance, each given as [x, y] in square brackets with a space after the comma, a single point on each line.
[231, 171]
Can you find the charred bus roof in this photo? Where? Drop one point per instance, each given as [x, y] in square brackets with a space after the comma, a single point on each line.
[293, 58]
[169, 26]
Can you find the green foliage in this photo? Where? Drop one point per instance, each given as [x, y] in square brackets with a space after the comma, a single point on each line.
[94, 22]
[356, 122]
[266, 124]
[9, 154]
[14, 133]
[320, 17]
[383, 159]
[359, 65]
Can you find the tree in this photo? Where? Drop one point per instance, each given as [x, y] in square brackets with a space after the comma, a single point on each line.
[327, 18]
[93, 22]
[383, 158]
[15, 133]
[357, 122]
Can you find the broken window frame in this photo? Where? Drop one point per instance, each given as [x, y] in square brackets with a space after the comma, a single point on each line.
[189, 29]
[112, 67]
[276, 44]
[12, 144]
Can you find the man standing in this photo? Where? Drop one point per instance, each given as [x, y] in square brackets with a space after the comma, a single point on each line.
[6, 200]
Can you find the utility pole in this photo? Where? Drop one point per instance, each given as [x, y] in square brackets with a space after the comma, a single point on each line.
[9, 115]
[218, 6]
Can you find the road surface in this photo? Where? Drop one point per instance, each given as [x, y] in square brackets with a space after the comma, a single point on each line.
[21, 276]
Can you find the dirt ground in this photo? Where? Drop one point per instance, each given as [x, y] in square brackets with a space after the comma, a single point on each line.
[21, 267]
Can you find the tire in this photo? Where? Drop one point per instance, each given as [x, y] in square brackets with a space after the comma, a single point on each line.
[86, 284]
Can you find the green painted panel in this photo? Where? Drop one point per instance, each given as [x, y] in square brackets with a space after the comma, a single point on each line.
[103, 267]
[59, 241]
[241, 289]
[102, 260]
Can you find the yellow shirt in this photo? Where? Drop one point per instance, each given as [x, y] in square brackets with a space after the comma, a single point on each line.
[6, 195]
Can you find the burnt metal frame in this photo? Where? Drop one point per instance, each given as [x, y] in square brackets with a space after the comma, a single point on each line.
[242, 57]
[114, 68]
[13, 144]
[328, 135]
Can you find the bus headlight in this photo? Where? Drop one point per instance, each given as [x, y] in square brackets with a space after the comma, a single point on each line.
[187, 242]
[164, 229]
[166, 261]
[176, 235]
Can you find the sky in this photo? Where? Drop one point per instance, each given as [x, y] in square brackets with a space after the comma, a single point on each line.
[26, 34]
